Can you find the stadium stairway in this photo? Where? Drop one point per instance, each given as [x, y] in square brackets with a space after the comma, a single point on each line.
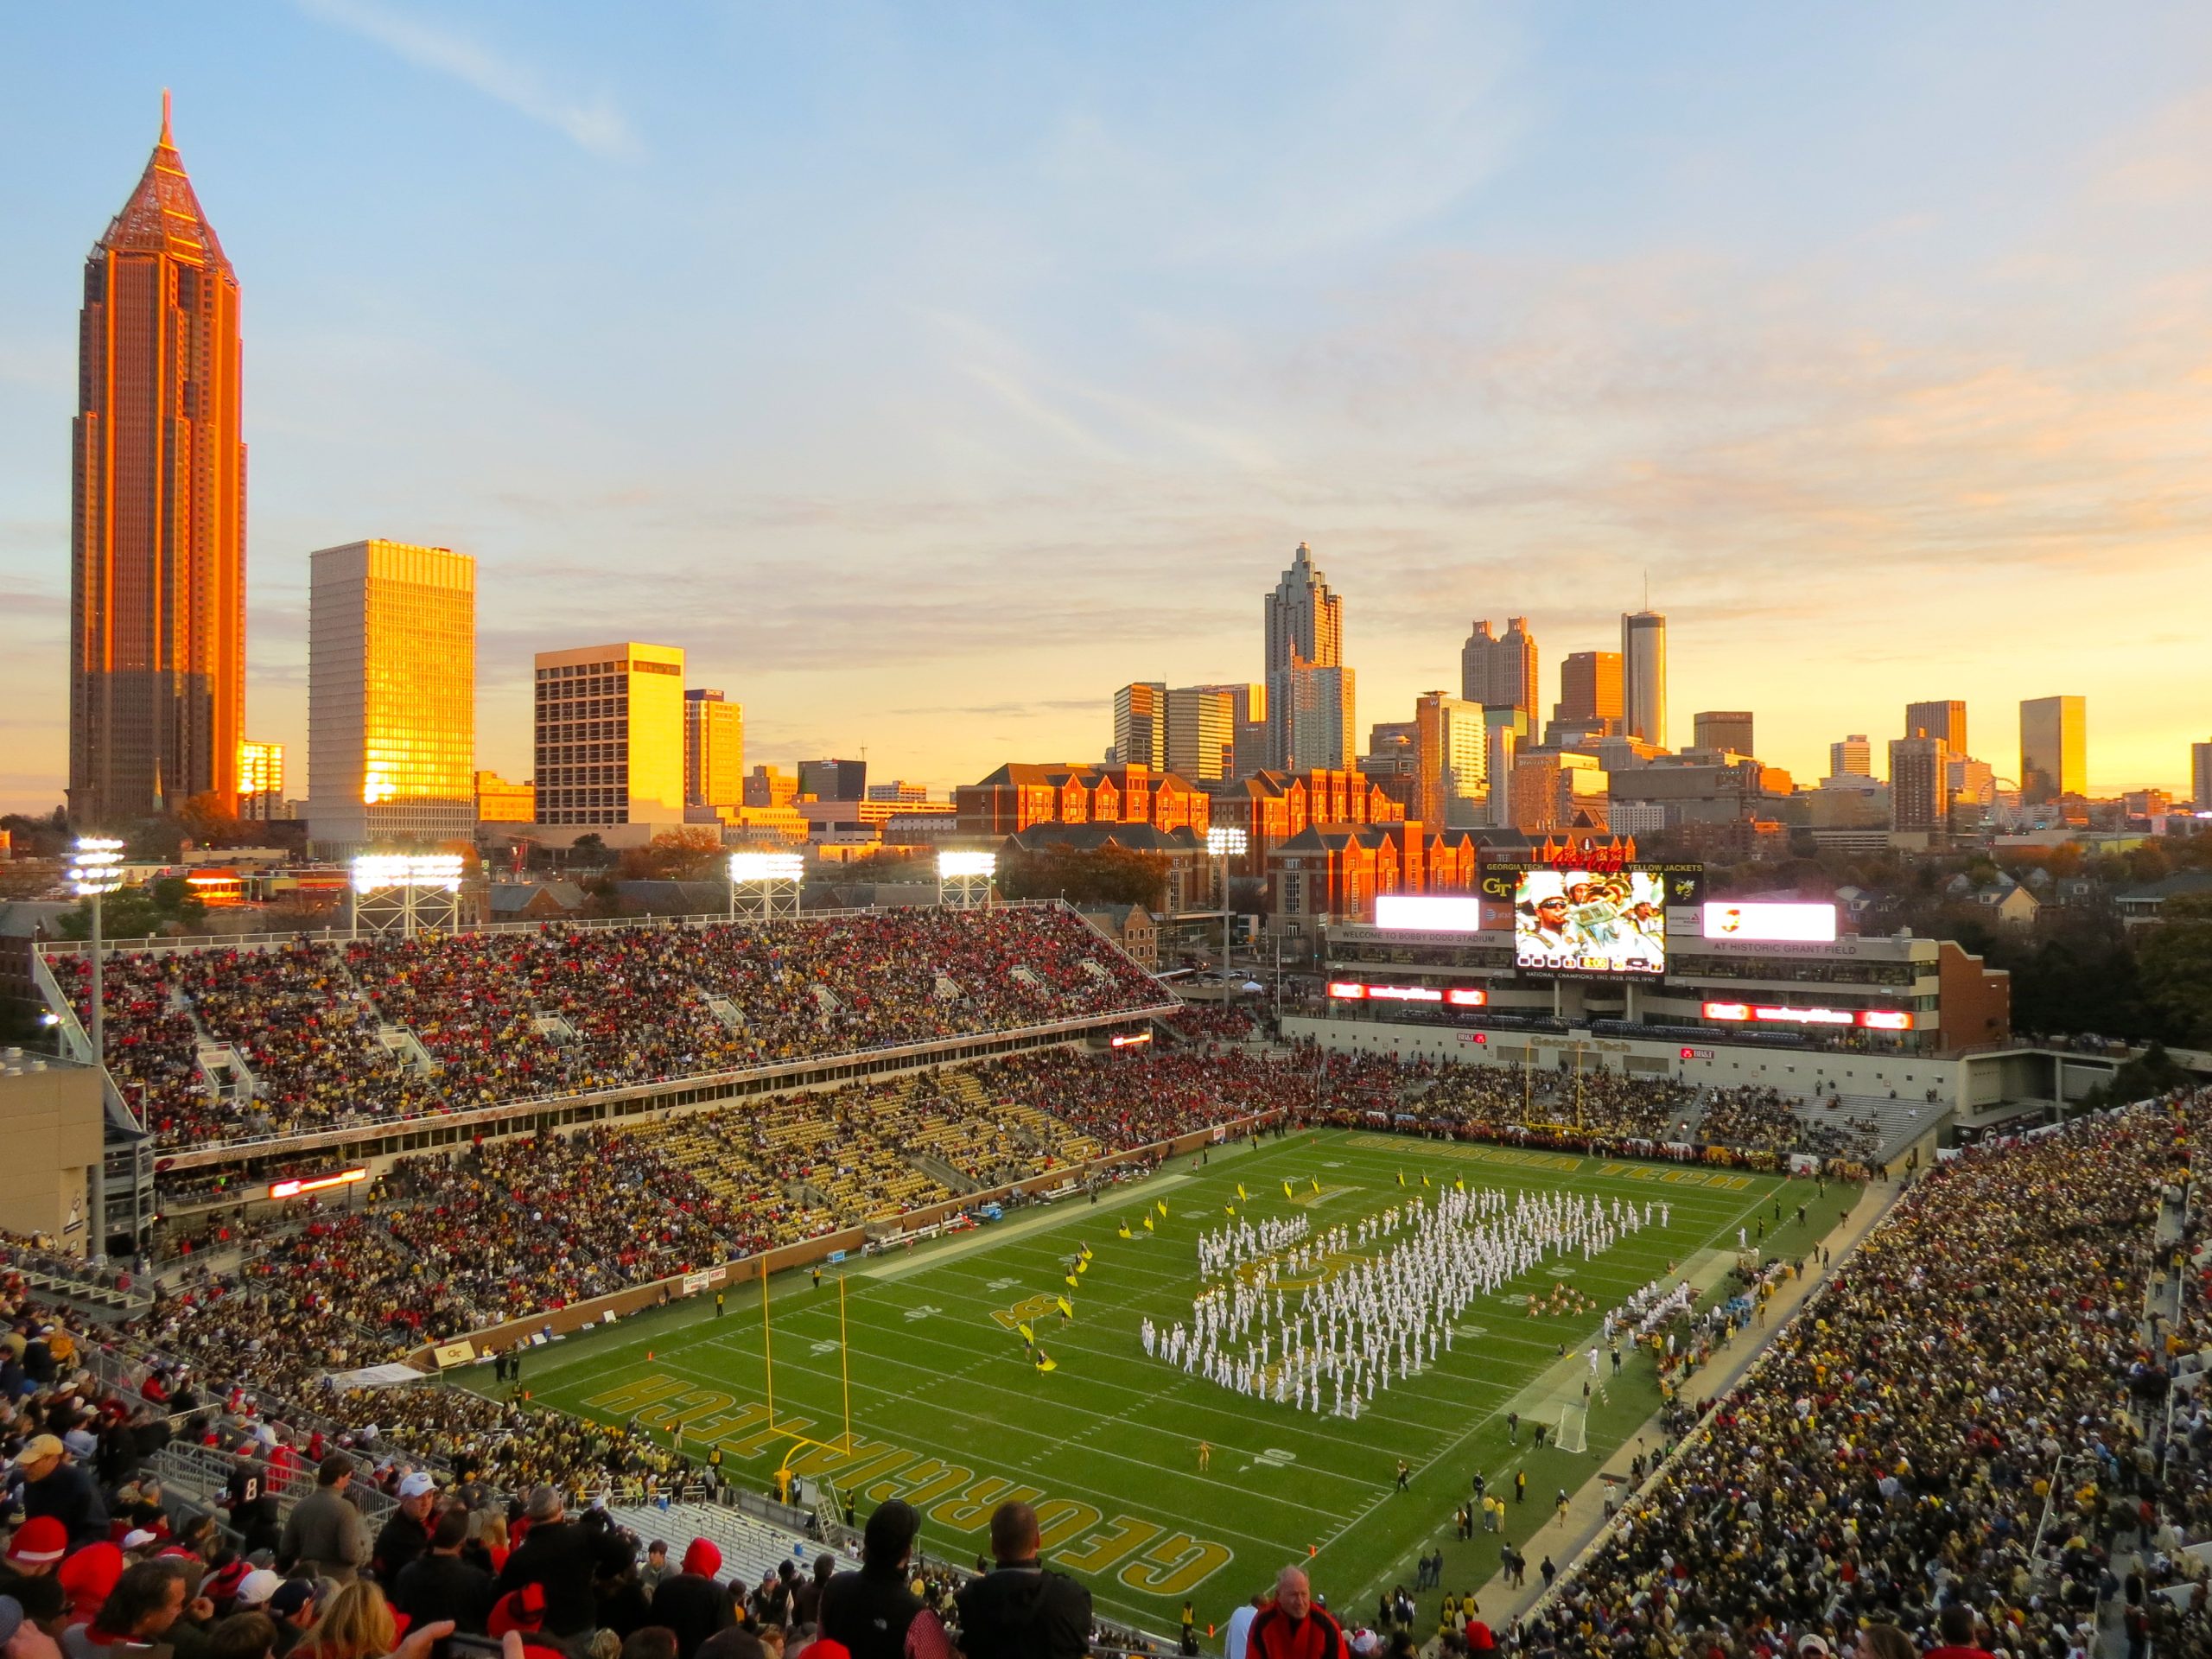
[751, 1548]
[1896, 1123]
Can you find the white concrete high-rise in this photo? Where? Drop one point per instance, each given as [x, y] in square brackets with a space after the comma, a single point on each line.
[1317, 718]
[1643, 675]
[1140, 725]
[391, 697]
[610, 735]
[1852, 757]
[1451, 761]
[1202, 733]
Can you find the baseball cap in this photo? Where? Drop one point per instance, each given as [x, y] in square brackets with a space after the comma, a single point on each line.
[138, 1538]
[80, 1443]
[289, 1597]
[416, 1484]
[39, 1540]
[1810, 1643]
[41, 1447]
[258, 1587]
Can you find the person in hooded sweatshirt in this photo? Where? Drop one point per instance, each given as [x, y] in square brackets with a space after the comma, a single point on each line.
[692, 1602]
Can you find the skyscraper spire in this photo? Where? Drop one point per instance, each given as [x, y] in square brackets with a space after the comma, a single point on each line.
[157, 599]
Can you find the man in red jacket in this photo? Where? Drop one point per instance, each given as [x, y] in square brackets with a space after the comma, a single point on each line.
[1292, 1627]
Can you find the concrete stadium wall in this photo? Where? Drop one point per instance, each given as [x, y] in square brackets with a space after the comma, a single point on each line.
[1801, 1072]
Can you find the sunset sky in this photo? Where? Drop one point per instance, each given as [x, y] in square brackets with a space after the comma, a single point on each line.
[927, 372]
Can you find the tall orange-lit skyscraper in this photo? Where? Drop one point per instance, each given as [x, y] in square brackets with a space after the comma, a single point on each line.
[157, 594]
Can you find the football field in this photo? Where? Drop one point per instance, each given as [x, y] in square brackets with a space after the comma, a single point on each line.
[915, 1381]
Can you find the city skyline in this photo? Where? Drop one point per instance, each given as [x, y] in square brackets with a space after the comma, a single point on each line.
[1385, 362]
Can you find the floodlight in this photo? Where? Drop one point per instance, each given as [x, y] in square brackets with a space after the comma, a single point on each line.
[1226, 843]
[767, 867]
[382, 872]
[950, 865]
[96, 865]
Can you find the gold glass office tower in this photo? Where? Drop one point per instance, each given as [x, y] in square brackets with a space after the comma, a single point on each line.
[2054, 748]
[714, 749]
[391, 696]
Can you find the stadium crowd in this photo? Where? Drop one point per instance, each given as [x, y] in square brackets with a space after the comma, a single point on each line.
[531, 1013]
[1973, 1382]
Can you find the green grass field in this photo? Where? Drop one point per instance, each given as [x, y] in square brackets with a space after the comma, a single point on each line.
[947, 1411]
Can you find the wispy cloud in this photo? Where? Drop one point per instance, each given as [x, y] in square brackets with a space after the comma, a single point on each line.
[593, 125]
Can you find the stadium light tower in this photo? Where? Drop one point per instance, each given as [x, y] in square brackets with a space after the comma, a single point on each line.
[95, 871]
[404, 893]
[769, 883]
[963, 880]
[1225, 842]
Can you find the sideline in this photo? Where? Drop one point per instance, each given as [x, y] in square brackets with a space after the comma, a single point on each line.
[1503, 1606]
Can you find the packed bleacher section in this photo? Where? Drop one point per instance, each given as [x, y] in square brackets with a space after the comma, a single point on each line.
[1889, 1457]
[1894, 1452]
[1203, 1022]
[322, 1025]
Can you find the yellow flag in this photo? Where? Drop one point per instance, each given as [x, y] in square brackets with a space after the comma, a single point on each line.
[1083, 1266]
[1241, 1193]
[1163, 1207]
[1066, 1307]
[1424, 1179]
[1315, 1181]
[1027, 1335]
[1402, 1178]
[1228, 1209]
[1123, 1230]
[1459, 1186]
[1286, 1189]
[1072, 1282]
[1148, 1227]
[1046, 1363]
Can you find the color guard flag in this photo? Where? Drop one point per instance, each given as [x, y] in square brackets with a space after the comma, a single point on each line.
[1027, 1335]
[1286, 1189]
[1163, 1207]
[1315, 1181]
[1046, 1363]
[1123, 1230]
[1148, 1227]
[1402, 1178]
[1424, 1179]
[1241, 1193]
[1066, 1307]
[1228, 1209]
[1072, 1284]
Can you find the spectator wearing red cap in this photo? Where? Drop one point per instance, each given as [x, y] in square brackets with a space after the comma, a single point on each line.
[88, 1576]
[34, 1553]
[692, 1604]
[146, 1605]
